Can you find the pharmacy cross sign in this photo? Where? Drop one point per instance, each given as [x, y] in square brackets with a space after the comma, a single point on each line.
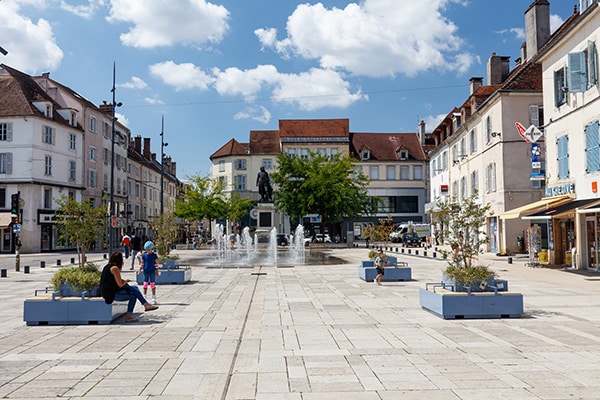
[531, 134]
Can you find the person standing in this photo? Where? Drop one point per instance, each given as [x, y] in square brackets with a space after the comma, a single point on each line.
[380, 262]
[149, 267]
[126, 243]
[114, 287]
[136, 247]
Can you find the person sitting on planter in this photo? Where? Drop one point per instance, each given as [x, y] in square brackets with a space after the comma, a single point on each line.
[114, 287]
[149, 267]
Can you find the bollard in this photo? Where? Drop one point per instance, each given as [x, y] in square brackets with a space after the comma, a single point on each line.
[42, 264]
[57, 262]
[416, 252]
[72, 260]
[3, 273]
[424, 253]
[434, 255]
[26, 269]
[104, 255]
[510, 260]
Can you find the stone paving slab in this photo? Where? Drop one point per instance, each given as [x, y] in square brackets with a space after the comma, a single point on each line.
[308, 332]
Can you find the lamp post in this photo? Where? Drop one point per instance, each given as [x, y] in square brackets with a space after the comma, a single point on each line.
[162, 164]
[112, 164]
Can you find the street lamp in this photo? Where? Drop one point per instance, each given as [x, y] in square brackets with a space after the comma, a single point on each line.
[112, 164]
[162, 165]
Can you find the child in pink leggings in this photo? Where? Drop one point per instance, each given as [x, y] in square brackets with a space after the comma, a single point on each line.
[149, 267]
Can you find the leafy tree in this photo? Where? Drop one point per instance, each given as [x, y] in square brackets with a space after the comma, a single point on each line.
[81, 224]
[463, 225]
[380, 232]
[331, 188]
[166, 233]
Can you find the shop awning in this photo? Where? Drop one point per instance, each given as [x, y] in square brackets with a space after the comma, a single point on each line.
[561, 210]
[590, 208]
[536, 206]
[5, 220]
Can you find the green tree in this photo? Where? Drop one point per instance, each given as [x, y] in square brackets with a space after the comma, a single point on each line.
[80, 224]
[318, 184]
[166, 233]
[380, 232]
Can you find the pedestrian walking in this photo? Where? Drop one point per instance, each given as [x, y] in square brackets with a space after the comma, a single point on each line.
[149, 267]
[380, 262]
[136, 247]
[126, 243]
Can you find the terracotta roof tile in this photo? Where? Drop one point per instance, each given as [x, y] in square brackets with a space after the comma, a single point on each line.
[314, 128]
[385, 146]
[231, 148]
[264, 142]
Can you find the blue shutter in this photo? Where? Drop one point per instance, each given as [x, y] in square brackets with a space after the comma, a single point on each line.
[592, 147]
[577, 64]
[562, 144]
[592, 65]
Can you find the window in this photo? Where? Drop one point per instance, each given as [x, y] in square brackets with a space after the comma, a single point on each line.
[473, 140]
[463, 147]
[490, 178]
[445, 160]
[365, 154]
[592, 147]
[582, 67]
[72, 142]
[105, 182]
[48, 112]
[137, 190]
[536, 115]
[390, 172]
[5, 163]
[474, 181]
[73, 121]
[48, 165]
[487, 126]
[463, 187]
[374, 172]
[6, 131]
[404, 170]
[403, 154]
[454, 153]
[239, 182]
[267, 163]
[93, 153]
[105, 156]
[119, 186]
[240, 164]
[560, 88]
[72, 170]
[418, 173]
[562, 159]
[106, 130]
[2, 198]
[47, 134]
[92, 182]
[93, 124]
[221, 166]
[47, 198]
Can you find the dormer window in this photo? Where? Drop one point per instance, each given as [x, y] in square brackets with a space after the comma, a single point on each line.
[365, 154]
[48, 112]
[402, 154]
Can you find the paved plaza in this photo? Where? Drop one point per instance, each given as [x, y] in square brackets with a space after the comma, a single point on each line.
[307, 332]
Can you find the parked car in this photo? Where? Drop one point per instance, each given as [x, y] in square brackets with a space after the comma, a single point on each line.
[411, 239]
[318, 238]
[283, 239]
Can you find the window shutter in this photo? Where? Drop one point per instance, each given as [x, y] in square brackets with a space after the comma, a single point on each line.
[534, 114]
[9, 132]
[592, 64]
[576, 75]
[592, 147]
[9, 163]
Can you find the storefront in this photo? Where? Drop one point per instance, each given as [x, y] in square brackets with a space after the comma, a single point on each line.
[589, 250]
[6, 243]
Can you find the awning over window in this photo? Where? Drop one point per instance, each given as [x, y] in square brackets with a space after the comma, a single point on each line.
[5, 220]
[536, 206]
[562, 210]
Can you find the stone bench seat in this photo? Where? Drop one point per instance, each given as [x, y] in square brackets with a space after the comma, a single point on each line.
[393, 272]
[49, 308]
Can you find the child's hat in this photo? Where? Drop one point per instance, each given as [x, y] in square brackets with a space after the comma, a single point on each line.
[148, 245]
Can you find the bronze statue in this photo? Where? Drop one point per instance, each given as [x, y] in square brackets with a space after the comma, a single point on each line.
[264, 185]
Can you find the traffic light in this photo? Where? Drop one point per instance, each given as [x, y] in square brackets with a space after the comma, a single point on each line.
[14, 203]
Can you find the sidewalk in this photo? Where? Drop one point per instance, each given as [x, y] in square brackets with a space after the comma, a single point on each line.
[309, 332]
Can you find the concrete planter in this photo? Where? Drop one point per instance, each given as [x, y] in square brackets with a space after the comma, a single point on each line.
[394, 271]
[170, 276]
[53, 309]
[461, 305]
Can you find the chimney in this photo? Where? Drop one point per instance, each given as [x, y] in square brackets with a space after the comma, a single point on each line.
[498, 68]
[146, 153]
[174, 168]
[106, 108]
[475, 83]
[137, 144]
[422, 132]
[537, 27]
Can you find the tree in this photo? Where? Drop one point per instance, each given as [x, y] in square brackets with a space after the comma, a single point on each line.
[81, 224]
[318, 184]
[380, 232]
[463, 225]
[166, 233]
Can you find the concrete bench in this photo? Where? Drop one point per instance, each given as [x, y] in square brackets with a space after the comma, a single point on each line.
[170, 275]
[49, 308]
[394, 271]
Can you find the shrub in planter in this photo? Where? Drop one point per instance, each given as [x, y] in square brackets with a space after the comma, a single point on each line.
[468, 277]
[86, 278]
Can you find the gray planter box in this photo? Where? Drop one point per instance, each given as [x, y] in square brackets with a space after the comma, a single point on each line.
[394, 271]
[52, 309]
[170, 276]
[461, 305]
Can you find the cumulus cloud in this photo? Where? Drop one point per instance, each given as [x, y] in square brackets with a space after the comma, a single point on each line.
[31, 45]
[164, 22]
[258, 113]
[181, 76]
[153, 101]
[374, 38]
[247, 83]
[86, 11]
[134, 83]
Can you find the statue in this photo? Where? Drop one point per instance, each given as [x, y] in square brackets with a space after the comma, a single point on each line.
[264, 185]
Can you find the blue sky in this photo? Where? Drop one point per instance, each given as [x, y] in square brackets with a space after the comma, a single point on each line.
[218, 69]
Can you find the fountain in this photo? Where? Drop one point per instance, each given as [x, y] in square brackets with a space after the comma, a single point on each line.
[297, 250]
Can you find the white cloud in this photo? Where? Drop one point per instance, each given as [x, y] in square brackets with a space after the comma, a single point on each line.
[165, 23]
[31, 45]
[374, 38]
[181, 76]
[433, 121]
[85, 11]
[122, 119]
[246, 83]
[153, 101]
[555, 22]
[134, 83]
[259, 114]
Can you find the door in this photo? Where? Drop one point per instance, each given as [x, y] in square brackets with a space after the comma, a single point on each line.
[592, 230]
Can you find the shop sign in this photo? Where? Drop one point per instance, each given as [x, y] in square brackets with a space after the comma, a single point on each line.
[560, 190]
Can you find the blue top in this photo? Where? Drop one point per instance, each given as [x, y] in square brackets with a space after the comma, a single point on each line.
[149, 262]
